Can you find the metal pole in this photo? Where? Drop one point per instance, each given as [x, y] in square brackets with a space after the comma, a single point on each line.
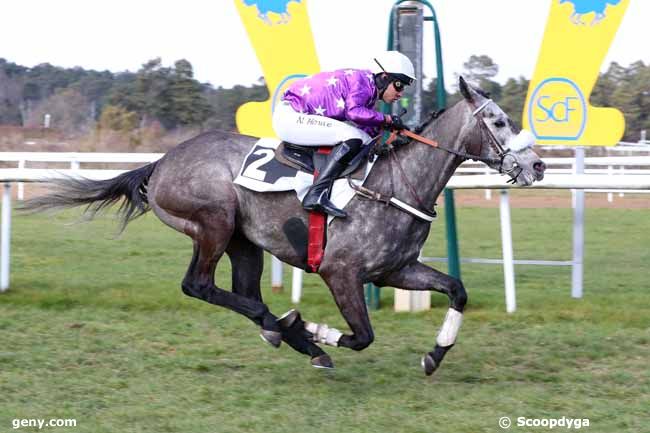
[452, 238]
[622, 170]
[441, 94]
[21, 186]
[508, 257]
[372, 292]
[296, 285]
[276, 275]
[6, 238]
[578, 229]
[373, 296]
[610, 172]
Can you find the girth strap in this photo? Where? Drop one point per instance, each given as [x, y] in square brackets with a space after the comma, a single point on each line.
[422, 215]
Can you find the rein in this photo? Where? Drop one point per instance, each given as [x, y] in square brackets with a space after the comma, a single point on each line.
[485, 131]
[427, 215]
[435, 144]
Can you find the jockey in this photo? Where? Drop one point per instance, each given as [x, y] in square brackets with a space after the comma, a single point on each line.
[314, 111]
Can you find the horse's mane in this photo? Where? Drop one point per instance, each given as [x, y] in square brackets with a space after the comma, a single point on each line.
[435, 114]
[429, 119]
[483, 93]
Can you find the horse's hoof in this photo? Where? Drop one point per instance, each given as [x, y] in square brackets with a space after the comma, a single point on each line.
[428, 364]
[287, 319]
[322, 361]
[274, 338]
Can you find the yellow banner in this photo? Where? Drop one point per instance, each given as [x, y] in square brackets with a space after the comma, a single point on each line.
[577, 38]
[280, 33]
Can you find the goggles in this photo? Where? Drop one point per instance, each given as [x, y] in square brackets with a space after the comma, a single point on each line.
[399, 85]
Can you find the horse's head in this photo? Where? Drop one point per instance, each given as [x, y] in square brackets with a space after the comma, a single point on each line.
[491, 135]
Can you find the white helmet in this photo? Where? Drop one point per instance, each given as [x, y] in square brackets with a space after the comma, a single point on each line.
[396, 64]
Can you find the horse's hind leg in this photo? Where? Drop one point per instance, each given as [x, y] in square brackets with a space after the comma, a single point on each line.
[247, 264]
[209, 246]
[421, 277]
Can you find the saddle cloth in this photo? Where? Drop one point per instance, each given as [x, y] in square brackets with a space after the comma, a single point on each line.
[261, 172]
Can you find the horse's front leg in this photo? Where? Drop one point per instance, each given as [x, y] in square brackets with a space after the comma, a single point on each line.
[347, 290]
[421, 277]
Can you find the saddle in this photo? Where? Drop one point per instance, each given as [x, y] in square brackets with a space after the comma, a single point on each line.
[309, 159]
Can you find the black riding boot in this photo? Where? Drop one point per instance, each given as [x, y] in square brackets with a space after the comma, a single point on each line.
[317, 198]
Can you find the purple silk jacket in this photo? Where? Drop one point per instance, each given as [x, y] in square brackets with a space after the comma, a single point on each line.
[344, 94]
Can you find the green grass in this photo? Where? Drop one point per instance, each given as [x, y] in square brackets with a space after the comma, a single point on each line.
[97, 329]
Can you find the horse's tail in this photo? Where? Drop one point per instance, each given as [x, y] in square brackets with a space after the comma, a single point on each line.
[68, 192]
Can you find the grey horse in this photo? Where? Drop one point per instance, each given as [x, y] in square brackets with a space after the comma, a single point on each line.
[191, 189]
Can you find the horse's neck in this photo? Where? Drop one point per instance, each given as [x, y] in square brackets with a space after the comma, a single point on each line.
[427, 170]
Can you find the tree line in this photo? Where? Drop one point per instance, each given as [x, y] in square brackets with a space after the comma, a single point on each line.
[169, 98]
[77, 99]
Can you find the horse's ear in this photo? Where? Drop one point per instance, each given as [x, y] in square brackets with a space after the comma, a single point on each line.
[465, 90]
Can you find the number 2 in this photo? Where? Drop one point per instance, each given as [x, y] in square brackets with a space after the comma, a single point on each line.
[252, 170]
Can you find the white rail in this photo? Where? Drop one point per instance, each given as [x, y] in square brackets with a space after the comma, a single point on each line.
[556, 181]
[492, 181]
[75, 159]
[559, 176]
[81, 157]
[608, 165]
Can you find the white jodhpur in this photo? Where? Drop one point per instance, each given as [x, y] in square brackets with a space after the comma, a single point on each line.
[312, 129]
[449, 331]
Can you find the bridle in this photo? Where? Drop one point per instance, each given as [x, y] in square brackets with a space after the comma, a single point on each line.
[423, 213]
[485, 131]
[502, 153]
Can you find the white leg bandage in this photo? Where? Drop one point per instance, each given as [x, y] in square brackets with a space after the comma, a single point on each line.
[324, 334]
[449, 331]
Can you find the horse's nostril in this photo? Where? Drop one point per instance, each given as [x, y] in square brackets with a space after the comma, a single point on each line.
[539, 166]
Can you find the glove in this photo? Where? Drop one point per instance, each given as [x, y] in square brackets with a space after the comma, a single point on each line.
[384, 148]
[400, 141]
[381, 150]
[396, 123]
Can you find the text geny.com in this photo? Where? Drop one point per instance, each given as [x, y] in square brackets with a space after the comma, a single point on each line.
[40, 423]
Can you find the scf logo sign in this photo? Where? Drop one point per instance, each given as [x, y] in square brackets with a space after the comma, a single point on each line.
[557, 110]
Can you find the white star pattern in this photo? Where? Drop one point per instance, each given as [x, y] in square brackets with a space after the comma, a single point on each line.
[340, 103]
[332, 81]
[305, 90]
[349, 72]
[319, 110]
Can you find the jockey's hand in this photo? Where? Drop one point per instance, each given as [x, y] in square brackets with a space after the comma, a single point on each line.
[384, 149]
[400, 141]
[396, 123]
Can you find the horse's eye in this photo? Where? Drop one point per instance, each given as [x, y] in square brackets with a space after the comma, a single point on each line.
[499, 123]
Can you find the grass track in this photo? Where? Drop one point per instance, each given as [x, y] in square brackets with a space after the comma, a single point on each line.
[97, 329]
